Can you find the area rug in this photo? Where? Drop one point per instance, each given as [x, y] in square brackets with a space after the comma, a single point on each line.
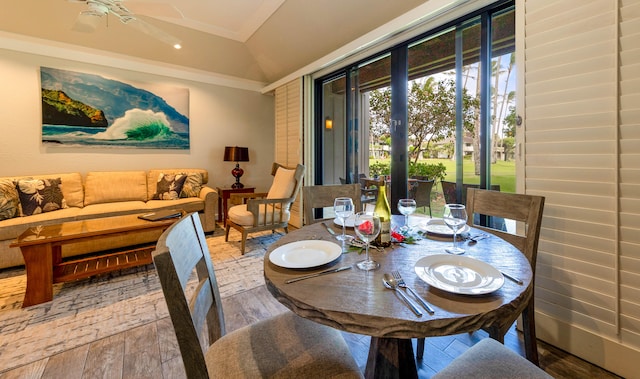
[95, 308]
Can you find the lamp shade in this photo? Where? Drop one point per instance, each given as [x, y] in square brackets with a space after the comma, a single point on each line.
[236, 154]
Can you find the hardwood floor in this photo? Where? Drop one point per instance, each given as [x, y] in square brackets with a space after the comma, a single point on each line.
[151, 351]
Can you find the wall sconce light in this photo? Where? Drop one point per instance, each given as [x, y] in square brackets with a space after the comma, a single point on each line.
[328, 123]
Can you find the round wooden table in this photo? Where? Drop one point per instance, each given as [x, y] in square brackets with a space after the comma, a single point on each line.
[356, 301]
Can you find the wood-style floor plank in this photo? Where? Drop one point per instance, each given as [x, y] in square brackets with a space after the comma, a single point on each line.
[66, 365]
[142, 353]
[105, 358]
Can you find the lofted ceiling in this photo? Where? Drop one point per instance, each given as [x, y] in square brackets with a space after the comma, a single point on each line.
[257, 40]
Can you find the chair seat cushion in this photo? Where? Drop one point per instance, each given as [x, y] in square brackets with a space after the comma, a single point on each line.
[491, 360]
[241, 216]
[285, 346]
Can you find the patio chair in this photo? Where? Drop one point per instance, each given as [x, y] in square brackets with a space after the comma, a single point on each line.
[318, 197]
[265, 211]
[420, 191]
[522, 208]
[285, 346]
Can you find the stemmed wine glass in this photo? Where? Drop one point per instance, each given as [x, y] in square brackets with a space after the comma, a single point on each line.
[367, 227]
[343, 208]
[455, 216]
[406, 207]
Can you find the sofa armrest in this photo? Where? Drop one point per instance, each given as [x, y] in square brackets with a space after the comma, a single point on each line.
[210, 198]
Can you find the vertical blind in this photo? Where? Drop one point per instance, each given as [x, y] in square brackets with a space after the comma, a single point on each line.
[288, 134]
[582, 150]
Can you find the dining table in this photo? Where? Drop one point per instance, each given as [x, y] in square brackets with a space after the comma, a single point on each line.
[356, 301]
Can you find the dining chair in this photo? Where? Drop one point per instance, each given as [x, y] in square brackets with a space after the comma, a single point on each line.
[369, 190]
[265, 211]
[525, 209]
[318, 197]
[420, 191]
[490, 359]
[449, 191]
[285, 345]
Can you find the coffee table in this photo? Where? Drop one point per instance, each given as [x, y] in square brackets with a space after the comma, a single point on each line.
[41, 248]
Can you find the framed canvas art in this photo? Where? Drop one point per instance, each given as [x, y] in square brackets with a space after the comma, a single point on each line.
[81, 109]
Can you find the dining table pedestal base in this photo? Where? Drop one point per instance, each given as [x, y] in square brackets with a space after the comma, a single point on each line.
[391, 358]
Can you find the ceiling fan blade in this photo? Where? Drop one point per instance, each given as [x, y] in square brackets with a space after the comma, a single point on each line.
[153, 9]
[151, 30]
[86, 22]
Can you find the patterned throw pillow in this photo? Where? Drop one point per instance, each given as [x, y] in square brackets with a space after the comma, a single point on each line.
[9, 201]
[40, 196]
[192, 185]
[169, 186]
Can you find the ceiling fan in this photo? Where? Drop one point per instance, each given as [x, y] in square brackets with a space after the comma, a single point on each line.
[89, 19]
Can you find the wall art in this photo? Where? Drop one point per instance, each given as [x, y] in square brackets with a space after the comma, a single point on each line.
[80, 109]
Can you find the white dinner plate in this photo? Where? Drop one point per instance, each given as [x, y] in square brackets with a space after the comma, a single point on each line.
[305, 254]
[348, 222]
[459, 274]
[437, 226]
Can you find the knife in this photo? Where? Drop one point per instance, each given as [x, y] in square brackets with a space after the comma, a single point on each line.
[331, 231]
[520, 282]
[329, 271]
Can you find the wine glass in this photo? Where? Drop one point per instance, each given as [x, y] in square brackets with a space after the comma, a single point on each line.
[367, 227]
[343, 208]
[406, 207]
[455, 216]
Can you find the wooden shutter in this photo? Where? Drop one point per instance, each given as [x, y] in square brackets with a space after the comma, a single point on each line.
[582, 152]
[288, 134]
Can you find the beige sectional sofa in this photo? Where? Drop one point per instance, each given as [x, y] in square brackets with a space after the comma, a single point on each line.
[105, 194]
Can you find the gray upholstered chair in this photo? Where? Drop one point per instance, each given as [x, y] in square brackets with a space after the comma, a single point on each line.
[318, 197]
[265, 211]
[285, 346]
[489, 359]
[526, 209]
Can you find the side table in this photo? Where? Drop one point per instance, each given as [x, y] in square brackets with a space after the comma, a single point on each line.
[223, 197]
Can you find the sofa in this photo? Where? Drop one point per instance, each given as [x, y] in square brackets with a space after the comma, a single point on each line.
[55, 198]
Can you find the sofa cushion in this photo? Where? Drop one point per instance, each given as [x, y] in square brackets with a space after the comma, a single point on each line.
[9, 201]
[39, 195]
[110, 187]
[71, 186]
[169, 186]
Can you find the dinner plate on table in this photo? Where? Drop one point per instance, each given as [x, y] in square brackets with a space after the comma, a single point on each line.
[305, 254]
[459, 274]
[349, 222]
[438, 227]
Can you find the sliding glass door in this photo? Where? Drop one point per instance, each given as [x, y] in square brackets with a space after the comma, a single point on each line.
[440, 106]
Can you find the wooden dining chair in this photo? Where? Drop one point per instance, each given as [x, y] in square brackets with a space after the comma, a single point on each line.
[318, 197]
[265, 211]
[285, 346]
[524, 209]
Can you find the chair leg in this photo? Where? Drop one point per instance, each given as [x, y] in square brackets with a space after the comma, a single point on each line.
[244, 241]
[420, 348]
[529, 331]
[286, 230]
[226, 233]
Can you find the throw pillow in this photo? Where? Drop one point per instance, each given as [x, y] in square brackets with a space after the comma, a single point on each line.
[40, 196]
[169, 186]
[9, 201]
[192, 185]
[283, 184]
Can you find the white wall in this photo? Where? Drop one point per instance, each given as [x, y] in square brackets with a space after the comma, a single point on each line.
[219, 116]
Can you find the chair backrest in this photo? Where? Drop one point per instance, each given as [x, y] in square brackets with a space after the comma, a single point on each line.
[370, 189]
[421, 192]
[513, 206]
[286, 182]
[449, 191]
[314, 197]
[182, 254]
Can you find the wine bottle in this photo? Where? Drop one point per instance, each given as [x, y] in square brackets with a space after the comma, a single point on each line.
[383, 211]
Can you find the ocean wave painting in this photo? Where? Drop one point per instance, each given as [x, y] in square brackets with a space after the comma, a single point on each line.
[88, 110]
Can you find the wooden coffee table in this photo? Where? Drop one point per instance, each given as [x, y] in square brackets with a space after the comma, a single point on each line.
[41, 248]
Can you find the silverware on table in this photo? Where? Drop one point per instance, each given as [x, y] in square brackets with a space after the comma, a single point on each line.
[513, 278]
[402, 284]
[329, 271]
[391, 283]
[331, 231]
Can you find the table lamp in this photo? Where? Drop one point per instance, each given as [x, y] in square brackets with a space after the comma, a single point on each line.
[236, 154]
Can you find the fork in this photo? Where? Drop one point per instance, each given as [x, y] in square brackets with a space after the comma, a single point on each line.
[402, 284]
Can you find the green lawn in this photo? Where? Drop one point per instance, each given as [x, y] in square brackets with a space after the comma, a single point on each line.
[502, 173]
